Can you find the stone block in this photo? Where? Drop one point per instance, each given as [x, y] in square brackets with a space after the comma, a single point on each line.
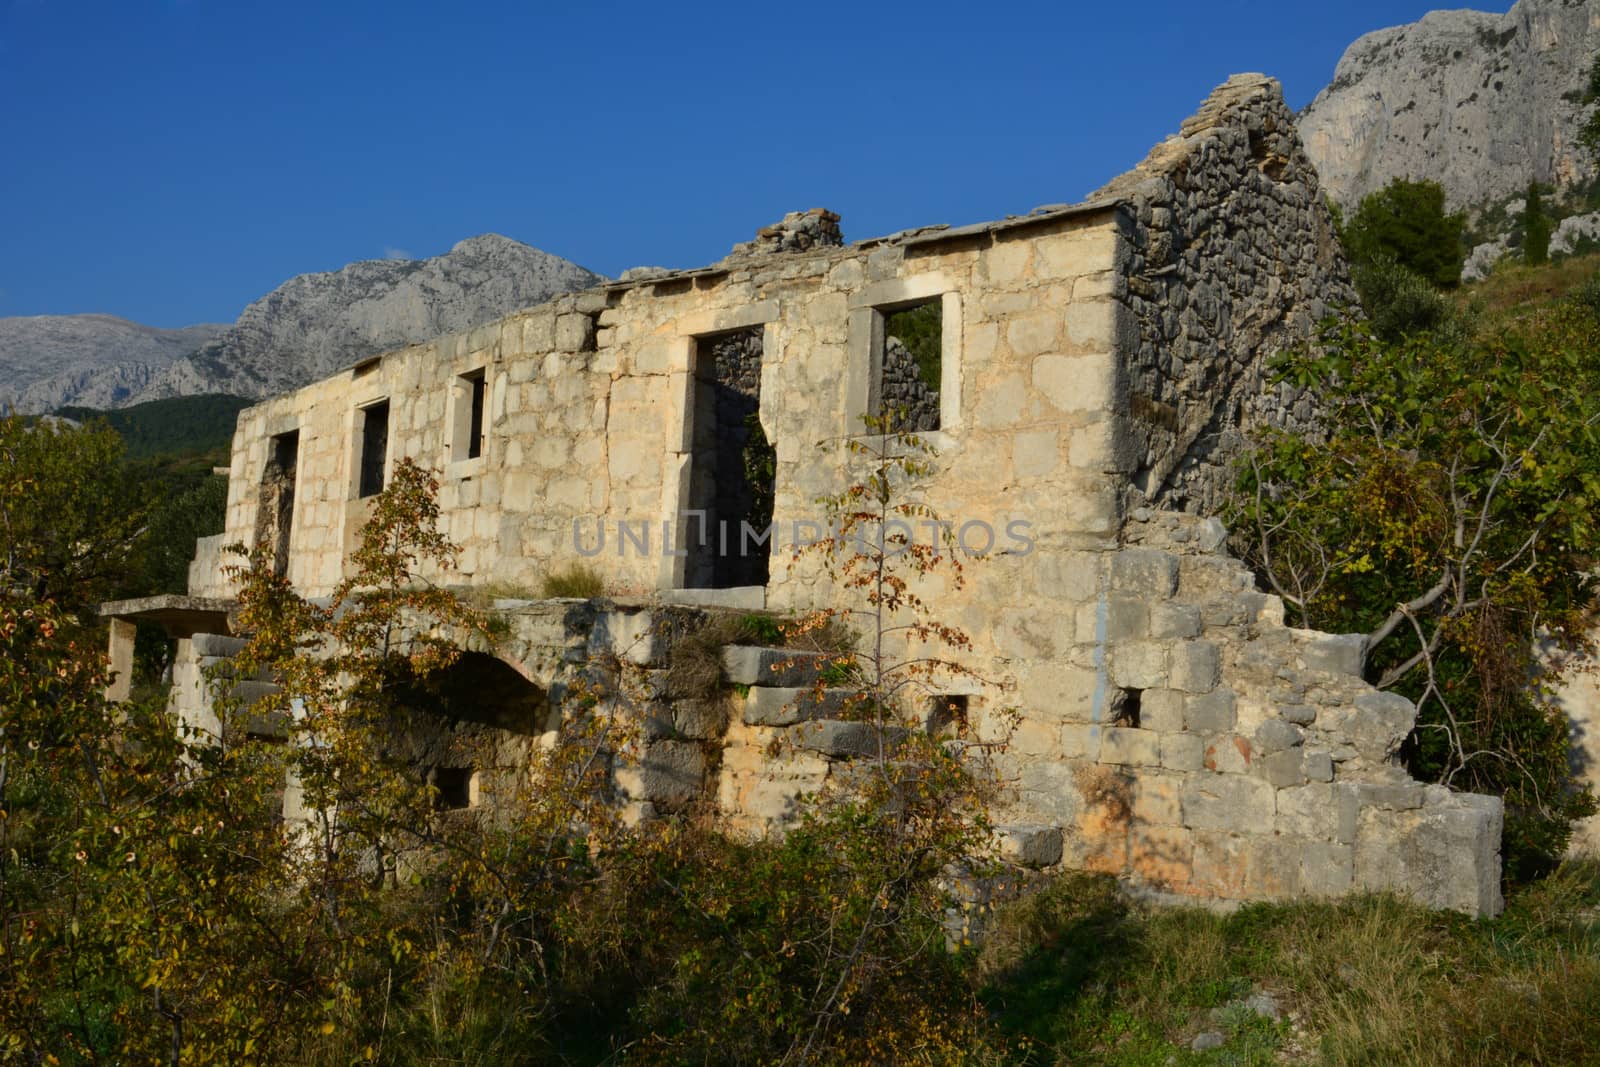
[668, 774]
[1035, 453]
[1275, 735]
[1174, 620]
[217, 645]
[1196, 666]
[1326, 870]
[1031, 845]
[844, 740]
[1220, 862]
[1068, 575]
[1282, 769]
[1444, 855]
[1183, 752]
[1161, 856]
[1158, 799]
[1139, 664]
[1380, 722]
[628, 635]
[1228, 753]
[1400, 796]
[1228, 802]
[1131, 747]
[1145, 572]
[1336, 653]
[702, 719]
[1211, 713]
[1272, 867]
[1309, 811]
[574, 333]
[1049, 788]
[1075, 383]
[1318, 765]
[785, 706]
[1161, 710]
[1081, 740]
[1299, 714]
[775, 667]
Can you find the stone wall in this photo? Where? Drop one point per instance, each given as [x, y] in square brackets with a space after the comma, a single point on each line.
[1232, 258]
[1161, 722]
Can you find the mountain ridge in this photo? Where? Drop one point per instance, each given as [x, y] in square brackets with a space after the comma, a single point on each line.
[305, 328]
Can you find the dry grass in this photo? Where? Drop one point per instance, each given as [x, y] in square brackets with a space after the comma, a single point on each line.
[1514, 286]
[1371, 980]
[574, 580]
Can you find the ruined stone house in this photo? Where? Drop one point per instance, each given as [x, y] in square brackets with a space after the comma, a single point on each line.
[1086, 370]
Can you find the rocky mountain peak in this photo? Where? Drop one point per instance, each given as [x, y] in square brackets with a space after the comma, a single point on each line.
[1480, 102]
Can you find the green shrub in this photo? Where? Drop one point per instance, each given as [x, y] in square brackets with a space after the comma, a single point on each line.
[1400, 303]
[1406, 222]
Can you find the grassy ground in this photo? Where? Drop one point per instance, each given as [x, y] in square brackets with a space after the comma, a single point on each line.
[1089, 979]
[1513, 287]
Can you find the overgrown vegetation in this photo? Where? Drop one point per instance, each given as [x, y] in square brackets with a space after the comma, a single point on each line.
[1086, 978]
[180, 425]
[1445, 509]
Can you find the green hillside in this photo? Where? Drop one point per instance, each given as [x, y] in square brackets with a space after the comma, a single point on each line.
[178, 425]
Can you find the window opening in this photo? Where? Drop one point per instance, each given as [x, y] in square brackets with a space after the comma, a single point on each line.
[911, 366]
[374, 448]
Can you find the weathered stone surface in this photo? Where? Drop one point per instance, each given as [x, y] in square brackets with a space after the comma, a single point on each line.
[1140, 748]
[669, 774]
[771, 706]
[1337, 653]
[1211, 713]
[1030, 845]
[1228, 802]
[843, 740]
[770, 667]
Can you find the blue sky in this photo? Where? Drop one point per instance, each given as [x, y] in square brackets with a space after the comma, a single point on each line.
[170, 161]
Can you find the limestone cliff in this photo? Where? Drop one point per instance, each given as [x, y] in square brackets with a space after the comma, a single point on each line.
[47, 361]
[315, 323]
[1480, 102]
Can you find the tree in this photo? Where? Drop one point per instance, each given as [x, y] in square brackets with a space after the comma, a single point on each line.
[72, 516]
[1535, 228]
[1447, 511]
[1406, 221]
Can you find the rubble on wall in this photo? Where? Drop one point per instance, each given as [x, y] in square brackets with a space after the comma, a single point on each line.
[798, 231]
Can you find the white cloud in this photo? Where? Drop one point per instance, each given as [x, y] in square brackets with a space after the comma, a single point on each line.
[391, 252]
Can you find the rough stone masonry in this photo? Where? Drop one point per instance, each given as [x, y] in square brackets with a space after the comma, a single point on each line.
[1100, 365]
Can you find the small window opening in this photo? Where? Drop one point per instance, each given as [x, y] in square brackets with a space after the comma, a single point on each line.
[911, 366]
[1128, 710]
[475, 430]
[275, 513]
[374, 447]
[471, 394]
[947, 713]
[453, 786]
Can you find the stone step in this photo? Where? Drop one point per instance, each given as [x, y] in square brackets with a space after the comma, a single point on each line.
[838, 739]
[216, 645]
[773, 667]
[250, 692]
[785, 706]
[272, 726]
